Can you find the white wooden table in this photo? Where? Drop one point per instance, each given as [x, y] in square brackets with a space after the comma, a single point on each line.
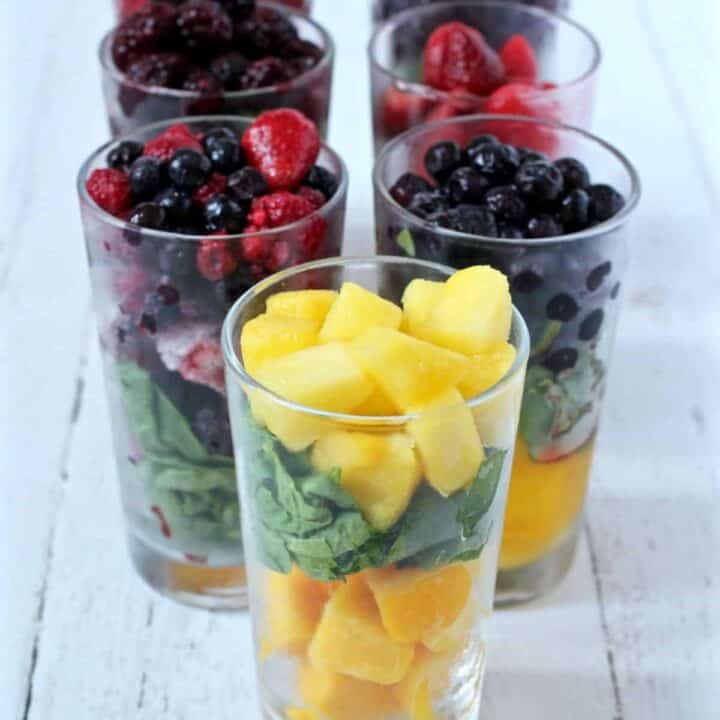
[634, 631]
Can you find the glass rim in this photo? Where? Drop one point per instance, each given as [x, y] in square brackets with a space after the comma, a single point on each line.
[109, 219]
[431, 93]
[108, 66]
[631, 202]
[234, 363]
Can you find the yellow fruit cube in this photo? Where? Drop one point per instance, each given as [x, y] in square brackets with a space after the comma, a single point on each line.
[377, 405]
[267, 337]
[301, 714]
[356, 310]
[351, 639]
[304, 304]
[408, 371]
[488, 368]
[428, 673]
[448, 442]
[454, 637]
[419, 300]
[380, 471]
[415, 604]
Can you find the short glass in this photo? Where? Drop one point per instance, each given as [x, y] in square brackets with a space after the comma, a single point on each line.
[569, 360]
[130, 105]
[165, 381]
[568, 57]
[315, 565]
[123, 8]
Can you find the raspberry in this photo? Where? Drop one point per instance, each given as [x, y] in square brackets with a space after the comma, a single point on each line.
[279, 256]
[312, 196]
[254, 248]
[161, 69]
[215, 259]
[150, 30]
[312, 239]
[519, 58]
[204, 25]
[216, 184]
[174, 138]
[110, 189]
[278, 209]
[204, 365]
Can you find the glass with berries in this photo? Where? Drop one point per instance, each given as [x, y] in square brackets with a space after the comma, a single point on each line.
[124, 8]
[549, 206]
[202, 57]
[180, 219]
[441, 61]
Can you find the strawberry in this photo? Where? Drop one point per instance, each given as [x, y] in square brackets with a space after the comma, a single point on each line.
[276, 210]
[519, 59]
[175, 137]
[215, 259]
[457, 57]
[283, 145]
[401, 110]
[110, 189]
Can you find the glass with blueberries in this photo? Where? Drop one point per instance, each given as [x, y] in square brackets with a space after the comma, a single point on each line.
[202, 57]
[548, 205]
[181, 218]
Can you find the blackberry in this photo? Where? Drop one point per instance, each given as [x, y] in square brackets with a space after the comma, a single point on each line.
[466, 185]
[266, 32]
[590, 326]
[160, 69]
[189, 169]
[442, 159]
[560, 360]
[204, 25]
[527, 282]
[574, 212]
[202, 82]
[507, 205]
[543, 226]
[151, 30]
[539, 182]
[223, 213]
[323, 180]
[562, 308]
[229, 69]
[226, 155]
[246, 184]
[605, 202]
[263, 73]
[238, 9]
[407, 186]
[575, 174]
[498, 163]
[124, 154]
[596, 277]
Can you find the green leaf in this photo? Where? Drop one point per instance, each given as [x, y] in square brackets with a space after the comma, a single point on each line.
[405, 242]
[481, 494]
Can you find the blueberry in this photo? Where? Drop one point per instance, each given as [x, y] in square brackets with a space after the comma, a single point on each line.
[574, 212]
[167, 292]
[498, 162]
[466, 185]
[219, 132]
[426, 203]
[562, 308]
[213, 430]
[181, 209]
[473, 220]
[156, 314]
[224, 213]
[124, 154]
[246, 184]
[564, 359]
[605, 202]
[226, 155]
[596, 277]
[543, 226]
[507, 205]
[539, 181]
[527, 282]
[590, 326]
[510, 232]
[615, 291]
[148, 215]
[323, 180]
[528, 155]
[407, 186]
[146, 177]
[442, 159]
[176, 258]
[189, 169]
[473, 147]
[575, 174]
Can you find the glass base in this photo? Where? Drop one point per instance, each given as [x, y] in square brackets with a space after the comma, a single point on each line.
[201, 586]
[523, 584]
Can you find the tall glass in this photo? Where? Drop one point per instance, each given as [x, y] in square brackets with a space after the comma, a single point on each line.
[568, 290]
[568, 58]
[353, 622]
[159, 319]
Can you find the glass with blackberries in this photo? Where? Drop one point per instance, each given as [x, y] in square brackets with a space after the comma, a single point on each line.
[439, 61]
[202, 57]
[124, 8]
[549, 206]
[180, 219]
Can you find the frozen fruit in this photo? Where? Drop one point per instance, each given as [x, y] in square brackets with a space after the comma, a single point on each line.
[426, 204]
[277, 209]
[223, 213]
[321, 179]
[151, 29]
[487, 369]
[575, 174]
[215, 184]
[596, 277]
[313, 196]
[418, 300]
[562, 307]
[467, 185]
[605, 202]
[519, 59]
[265, 32]
[225, 155]
[124, 154]
[246, 184]
[560, 360]
[189, 169]
[401, 110]
[148, 215]
[507, 204]
[407, 186]
[442, 159]
[230, 68]
[173, 139]
[181, 210]
[521, 98]
[204, 25]
[539, 182]
[110, 189]
[215, 260]
[497, 162]
[590, 326]
[164, 69]
[306, 304]
[414, 690]
[574, 212]
[145, 177]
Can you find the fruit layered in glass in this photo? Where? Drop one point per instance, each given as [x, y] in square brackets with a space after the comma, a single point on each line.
[125, 8]
[180, 219]
[374, 410]
[548, 206]
[441, 61]
[203, 57]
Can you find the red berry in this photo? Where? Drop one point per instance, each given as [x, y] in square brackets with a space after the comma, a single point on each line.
[151, 29]
[204, 365]
[278, 209]
[110, 189]
[401, 110]
[311, 241]
[204, 25]
[279, 256]
[216, 184]
[215, 259]
[457, 57]
[519, 59]
[164, 525]
[175, 137]
[255, 248]
[312, 196]
[283, 145]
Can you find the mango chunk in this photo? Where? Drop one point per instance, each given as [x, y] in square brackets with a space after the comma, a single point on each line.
[408, 371]
[454, 637]
[351, 639]
[447, 441]
[380, 471]
[428, 673]
[415, 604]
[303, 304]
[487, 369]
[419, 300]
[356, 310]
[266, 338]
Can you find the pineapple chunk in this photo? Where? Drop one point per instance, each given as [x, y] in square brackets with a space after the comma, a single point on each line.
[487, 369]
[301, 714]
[415, 604]
[356, 310]
[448, 442]
[428, 672]
[377, 405]
[266, 338]
[303, 304]
[419, 299]
[351, 639]
[408, 371]
[455, 637]
[474, 311]
[380, 471]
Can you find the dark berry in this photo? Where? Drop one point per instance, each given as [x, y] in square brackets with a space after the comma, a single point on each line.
[226, 156]
[213, 431]
[407, 186]
[202, 82]
[615, 291]
[539, 181]
[596, 277]
[323, 180]
[543, 226]
[204, 25]
[605, 202]
[246, 184]
[510, 232]
[156, 314]
[151, 30]
[266, 32]
[426, 203]
[473, 220]
[442, 159]
[302, 55]
[168, 293]
[161, 69]
[264, 73]
[564, 359]
[562, 308]
[176, 258]
[148, 215]
[526, 282]
[590, 326]
[238, 9]
[181, 209]
[473, 147]
[498, 162]
[527, 155]
[229, 69]
[189, 169]
[507, 205]
[124, 154]
[574, 212]
[575, 174]
[145, 177]
[466, 186]
[228, 290]
[223, 213]
[219, 132]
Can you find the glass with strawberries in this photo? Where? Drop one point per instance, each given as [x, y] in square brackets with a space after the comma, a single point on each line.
[548, 205]
[201, 57]
[440, 61]
[180, 219]
[124, 8]
[371, 548]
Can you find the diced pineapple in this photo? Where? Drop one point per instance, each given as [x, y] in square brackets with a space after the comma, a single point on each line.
[447, 441]
[304, 304]
[428, 673]
[415, 604]
[474, 311]
[380, 471]
[419, 300]
[267, 337]
[301, 714]
[409, 371]
[377, 405]
[356, 310]
[351, 639]
[454, 637]
[488, 368]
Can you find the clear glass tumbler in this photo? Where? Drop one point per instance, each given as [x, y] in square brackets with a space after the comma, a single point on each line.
[582, 274]
[165, 379]
[353, 622]
[568, 59]
[123, 8]
[130, 105]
